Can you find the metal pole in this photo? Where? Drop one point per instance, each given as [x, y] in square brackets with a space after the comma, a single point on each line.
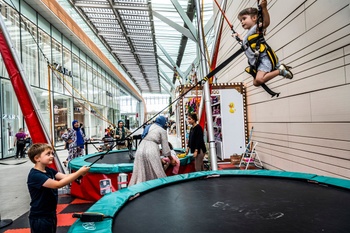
[206, 92]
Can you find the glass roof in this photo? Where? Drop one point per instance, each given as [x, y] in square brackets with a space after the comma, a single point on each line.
[148, 38]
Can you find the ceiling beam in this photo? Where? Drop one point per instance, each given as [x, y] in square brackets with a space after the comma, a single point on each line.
[184, 31]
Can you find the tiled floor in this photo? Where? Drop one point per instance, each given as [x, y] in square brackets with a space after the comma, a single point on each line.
[67, 205]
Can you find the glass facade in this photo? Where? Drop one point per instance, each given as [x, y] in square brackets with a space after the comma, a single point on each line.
[75, 88]
[11, 118]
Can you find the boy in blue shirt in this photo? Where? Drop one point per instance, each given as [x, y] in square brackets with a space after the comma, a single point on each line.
[43, 183]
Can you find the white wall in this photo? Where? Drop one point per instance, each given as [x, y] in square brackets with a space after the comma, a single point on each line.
[307, 128]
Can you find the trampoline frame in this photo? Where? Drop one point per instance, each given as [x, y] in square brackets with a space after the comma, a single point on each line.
[105, 168]
[89, 186]
[110, 204]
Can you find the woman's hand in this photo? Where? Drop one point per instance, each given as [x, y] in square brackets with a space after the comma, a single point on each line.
[195, 154]
[173, 162]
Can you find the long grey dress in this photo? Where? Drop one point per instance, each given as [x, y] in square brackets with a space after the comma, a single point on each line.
[147, 164]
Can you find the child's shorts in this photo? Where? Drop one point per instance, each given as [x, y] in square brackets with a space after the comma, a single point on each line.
[265, 64]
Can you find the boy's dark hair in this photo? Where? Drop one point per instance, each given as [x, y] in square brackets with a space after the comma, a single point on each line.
[248, 11]
[193, 116]
[37, 149]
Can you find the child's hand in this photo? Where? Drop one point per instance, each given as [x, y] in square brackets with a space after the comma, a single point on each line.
[236, 35]
[263, 4]
[83, 170]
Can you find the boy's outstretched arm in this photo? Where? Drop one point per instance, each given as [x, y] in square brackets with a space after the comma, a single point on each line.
[265, 13]
[63, 179]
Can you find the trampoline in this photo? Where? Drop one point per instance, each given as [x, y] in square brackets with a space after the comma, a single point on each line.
[110, 167]
[227, 201]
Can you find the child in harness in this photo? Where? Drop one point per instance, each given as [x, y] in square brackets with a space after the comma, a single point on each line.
[263, 62]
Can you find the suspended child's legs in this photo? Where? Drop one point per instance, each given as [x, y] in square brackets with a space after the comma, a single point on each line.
[263, 77]
[267, 71]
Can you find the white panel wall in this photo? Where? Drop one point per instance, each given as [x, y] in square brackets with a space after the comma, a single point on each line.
[307, 128]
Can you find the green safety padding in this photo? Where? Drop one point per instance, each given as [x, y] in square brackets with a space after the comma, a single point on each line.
[111, 203]
[103, 168]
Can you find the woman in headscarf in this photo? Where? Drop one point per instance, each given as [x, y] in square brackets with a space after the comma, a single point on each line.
[147, 164]
[120, 134]
[76, 140]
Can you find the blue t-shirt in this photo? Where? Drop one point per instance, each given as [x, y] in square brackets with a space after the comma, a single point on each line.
[43, 200]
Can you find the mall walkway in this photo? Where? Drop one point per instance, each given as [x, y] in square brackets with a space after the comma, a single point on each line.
[14, 196]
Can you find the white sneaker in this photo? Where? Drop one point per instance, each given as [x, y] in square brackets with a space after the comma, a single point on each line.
[285, 71]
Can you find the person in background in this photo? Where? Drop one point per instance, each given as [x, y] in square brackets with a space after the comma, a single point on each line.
[28, 141]
[120, 134]
[20, 143]
[76, 140]
[43, 183]
[147, 163]
[196, 142]
[108, 142]
[111, 130]
[66, 144]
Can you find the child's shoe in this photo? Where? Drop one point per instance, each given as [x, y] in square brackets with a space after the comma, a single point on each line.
[285, 71]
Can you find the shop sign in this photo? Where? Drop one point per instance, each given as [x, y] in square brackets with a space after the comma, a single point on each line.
[62, 69]
[10, 116]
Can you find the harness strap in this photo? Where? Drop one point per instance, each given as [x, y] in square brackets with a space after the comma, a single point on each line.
[257, 43]
[250, 70]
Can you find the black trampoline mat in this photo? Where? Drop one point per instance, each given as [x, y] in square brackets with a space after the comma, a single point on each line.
[112, 158]
[238, 204]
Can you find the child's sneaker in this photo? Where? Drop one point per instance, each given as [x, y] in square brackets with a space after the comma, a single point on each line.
[285, 71]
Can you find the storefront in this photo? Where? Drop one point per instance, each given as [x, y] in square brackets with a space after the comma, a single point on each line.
[75, 87]
[11, 118]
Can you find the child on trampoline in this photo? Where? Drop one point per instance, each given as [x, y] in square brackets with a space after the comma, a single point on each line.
[166, 161]
[43, 183]
[264, 70]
